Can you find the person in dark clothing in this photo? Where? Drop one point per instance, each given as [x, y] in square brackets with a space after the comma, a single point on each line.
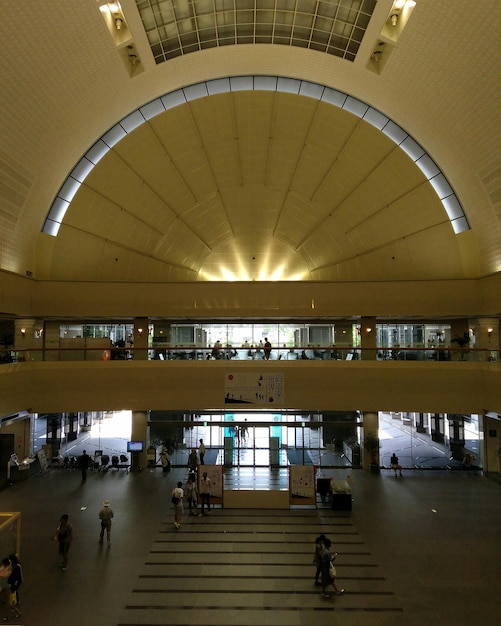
[5, 572]
[64, 536]
[15, 580]
[85, 462]
[395, 465]
[267, 349]
[328, 580]
[317, 557]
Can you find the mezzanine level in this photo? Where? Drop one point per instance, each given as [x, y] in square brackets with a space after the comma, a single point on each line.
[180, 384]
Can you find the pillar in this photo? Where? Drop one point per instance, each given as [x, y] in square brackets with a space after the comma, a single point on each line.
[139, 433]
[28, 340]
[368, 338]
[487, 339]
[370, 425]
[141, 338]
[51, 340]
[343, 338]
[460, 330]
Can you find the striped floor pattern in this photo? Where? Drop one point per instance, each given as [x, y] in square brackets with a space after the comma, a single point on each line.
[254, 567]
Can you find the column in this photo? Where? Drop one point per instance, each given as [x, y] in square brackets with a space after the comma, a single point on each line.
[370, 427]
[460, 335]
[139, 433]
[141, 339]
[51, 341]
[487, 339]
[28, 340]
[368, 338]
[343, 334]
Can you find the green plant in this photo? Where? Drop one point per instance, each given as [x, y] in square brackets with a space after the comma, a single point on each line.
[170, 443]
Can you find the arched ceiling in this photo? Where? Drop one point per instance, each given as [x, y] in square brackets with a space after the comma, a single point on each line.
[249, 185]
[256, 186]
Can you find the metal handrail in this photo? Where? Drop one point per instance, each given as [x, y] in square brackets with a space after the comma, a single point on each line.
[251, 353]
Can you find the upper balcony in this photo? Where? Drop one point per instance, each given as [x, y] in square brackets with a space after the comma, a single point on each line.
[444, 380]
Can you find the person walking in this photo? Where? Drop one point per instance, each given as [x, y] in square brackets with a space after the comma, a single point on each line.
[328, 579]
[201, 452]
[64, 536]
[177, 501]
[317, 557]
[105, 515]
[5, 572]
[165, 461]
[192, 461]
[191, 494]
[15, 580]
[85, 462]
[267, 349]
[205, 488]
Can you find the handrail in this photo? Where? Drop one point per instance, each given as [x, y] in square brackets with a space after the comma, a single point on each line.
[251, 353]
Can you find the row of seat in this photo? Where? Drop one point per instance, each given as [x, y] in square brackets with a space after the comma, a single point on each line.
[102, 462]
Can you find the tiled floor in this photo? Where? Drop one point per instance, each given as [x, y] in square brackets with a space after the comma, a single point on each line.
[423, 549]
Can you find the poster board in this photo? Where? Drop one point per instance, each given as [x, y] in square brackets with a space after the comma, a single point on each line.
[42, 459]
[302, 484]
[215, 473]
[254, 388]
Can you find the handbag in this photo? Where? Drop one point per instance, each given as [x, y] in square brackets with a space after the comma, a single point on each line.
[175, 500]
[12, 598]
[332, 570]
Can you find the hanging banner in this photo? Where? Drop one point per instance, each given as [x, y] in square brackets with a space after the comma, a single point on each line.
[254, 388]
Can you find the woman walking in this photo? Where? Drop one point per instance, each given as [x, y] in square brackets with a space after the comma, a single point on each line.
[328, 570]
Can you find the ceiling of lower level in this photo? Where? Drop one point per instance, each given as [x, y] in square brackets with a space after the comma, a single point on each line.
[249, 185]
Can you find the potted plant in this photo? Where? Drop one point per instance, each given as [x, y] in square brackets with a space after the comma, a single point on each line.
[371, 446]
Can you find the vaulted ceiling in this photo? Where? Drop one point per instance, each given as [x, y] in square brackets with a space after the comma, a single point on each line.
[250, 183]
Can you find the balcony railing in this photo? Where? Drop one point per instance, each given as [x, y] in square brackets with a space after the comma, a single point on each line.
[251, 353]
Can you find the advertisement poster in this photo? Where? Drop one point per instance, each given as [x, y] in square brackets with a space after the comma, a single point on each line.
[302, 484]
[254, 388]
[215, 473]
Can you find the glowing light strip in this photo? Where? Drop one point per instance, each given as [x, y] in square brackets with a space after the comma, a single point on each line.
[176, 98]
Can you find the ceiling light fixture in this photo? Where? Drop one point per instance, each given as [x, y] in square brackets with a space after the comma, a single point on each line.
[376, 56]
[394, 19]
[118, 22]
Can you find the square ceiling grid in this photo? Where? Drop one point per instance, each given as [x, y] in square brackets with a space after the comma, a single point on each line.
[178, 27]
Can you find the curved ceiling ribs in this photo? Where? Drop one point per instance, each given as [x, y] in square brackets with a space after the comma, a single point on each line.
[264, 178]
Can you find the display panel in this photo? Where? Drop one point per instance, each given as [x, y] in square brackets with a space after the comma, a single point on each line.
[135, 446]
